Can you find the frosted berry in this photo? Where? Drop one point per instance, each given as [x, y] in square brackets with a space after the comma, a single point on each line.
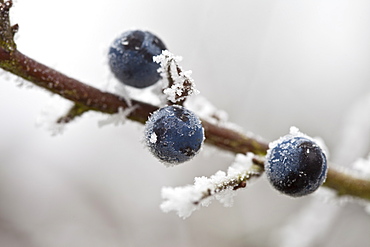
[174, 134]
[131, 58]
[296, 165]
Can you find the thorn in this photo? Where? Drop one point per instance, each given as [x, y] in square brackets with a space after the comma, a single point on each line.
[15, 28]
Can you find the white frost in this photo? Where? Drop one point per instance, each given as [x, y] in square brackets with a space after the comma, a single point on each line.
[206, 110]
[185, 200]
[51, 112]
[182, 81]
[118, 118]
[295, 132]
[153, 138]
[362, 167]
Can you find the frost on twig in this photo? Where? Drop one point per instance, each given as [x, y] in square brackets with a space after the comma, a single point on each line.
[206, 110]
[362, 167]
[221, 186]
[117, 118]
[180, 84]
[51, 112]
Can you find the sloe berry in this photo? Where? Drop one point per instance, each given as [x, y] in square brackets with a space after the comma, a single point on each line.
[296, 165]
[174, 134]
[131, 58]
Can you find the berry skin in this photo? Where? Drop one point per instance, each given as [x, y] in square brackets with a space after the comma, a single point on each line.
[296, 166]
[131, 58]
[174, 134]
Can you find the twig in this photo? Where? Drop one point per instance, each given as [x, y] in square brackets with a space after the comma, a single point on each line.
[180, 84]
[346, 184]
[75, 111]
[234, 184]
[221, 186]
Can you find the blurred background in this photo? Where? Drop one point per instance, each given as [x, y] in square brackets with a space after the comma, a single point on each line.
[268, 64]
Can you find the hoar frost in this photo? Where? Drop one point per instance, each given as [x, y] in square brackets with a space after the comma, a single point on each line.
[221, 186]
[117, 119]
[294, 131]
[180, 84]
[51, 112]
[362, 169]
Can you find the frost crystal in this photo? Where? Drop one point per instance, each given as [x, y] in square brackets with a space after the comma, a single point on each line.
[180, 84]
[221, 186]
[295, 132]
[118, 118]
[206, 110]
[153, 138]
[51, 112]
[362, 166]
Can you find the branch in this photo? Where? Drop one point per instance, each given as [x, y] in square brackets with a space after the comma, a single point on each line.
[346, 184]
[88, 98]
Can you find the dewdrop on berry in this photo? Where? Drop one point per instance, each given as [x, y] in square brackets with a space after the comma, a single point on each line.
[174, 134]
[295, 165]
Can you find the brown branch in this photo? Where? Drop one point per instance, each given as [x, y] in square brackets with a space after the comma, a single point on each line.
[233, 141]
[346, 184]
[69, 88]
[88, 98]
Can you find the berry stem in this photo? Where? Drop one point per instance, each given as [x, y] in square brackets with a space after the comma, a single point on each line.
[180, 84]
[171, 82]
[180, 99]
[88, 98]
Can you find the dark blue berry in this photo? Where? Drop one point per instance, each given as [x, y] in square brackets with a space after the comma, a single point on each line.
[296, 166]
[174, 134]
[131, 58]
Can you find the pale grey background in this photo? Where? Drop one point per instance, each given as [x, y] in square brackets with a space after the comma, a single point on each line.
[269, 64]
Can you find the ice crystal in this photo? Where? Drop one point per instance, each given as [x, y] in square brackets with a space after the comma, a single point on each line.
[50, 113]
[362, 166]
[295, 132]
[221, 186]
[118, 118]
[206, 110]
[180, 84]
